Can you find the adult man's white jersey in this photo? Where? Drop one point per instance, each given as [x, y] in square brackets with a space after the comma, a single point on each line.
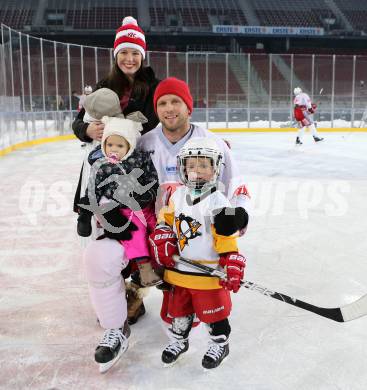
[165, 161]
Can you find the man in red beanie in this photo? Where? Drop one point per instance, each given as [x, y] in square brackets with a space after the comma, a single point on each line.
[173, 105]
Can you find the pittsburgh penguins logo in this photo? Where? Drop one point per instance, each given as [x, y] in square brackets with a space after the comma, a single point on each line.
[187, 229]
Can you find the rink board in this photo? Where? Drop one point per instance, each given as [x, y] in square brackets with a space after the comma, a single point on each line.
[282, 130]
[39, 141]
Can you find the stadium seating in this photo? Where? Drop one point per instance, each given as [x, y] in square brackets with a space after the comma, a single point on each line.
[355, 11]
[196, 75]
[260, 64]
[301, 13]
[187, 15]
[16, 18]
[93, 14]
[199, 14]
[98, 17]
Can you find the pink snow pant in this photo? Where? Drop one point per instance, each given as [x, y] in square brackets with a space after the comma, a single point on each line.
[104, 260]
[145, 220]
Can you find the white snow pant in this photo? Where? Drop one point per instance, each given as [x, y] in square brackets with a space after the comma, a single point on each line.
[310, 125]
[104, 260]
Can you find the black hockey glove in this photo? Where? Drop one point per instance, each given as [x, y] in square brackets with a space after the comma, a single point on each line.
[84, 225]
[84, 201]
[229, 220]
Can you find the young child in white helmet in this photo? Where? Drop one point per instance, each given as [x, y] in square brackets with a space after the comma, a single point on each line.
[303, 113]
[122, 185]
[199, 226]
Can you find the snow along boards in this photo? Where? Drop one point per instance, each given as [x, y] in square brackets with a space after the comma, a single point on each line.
[345, 313]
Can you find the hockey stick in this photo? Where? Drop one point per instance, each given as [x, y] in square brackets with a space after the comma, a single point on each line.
[346, 313]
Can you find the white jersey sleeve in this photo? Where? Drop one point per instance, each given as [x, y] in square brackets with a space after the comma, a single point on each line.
[303, 99]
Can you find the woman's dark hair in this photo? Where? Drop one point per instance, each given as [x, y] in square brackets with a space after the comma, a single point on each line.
[119, 82]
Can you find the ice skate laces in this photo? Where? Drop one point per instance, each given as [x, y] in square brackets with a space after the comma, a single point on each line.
[176, 347]
[111, 338]
[215, 350]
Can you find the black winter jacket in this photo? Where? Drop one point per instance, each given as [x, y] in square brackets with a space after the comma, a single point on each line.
[127, 187]
[145, 106]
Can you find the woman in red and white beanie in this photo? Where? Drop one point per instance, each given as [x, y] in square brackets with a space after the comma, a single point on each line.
[129, 47]
[129, 35]
[133, 82]
[135, 85]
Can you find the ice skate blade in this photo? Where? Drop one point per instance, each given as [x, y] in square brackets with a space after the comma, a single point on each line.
[213, 368]
[166, 365]
[104, 367]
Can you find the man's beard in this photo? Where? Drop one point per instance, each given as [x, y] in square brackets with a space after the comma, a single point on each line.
[178, 125]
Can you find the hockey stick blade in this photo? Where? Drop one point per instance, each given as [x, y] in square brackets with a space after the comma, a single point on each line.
[345, 313]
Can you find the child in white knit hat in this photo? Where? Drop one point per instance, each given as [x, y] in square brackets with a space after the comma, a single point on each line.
[122, 186]
[102, 102]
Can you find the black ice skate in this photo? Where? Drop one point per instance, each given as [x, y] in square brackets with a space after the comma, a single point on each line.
[178, 334]
[298, 141]
[317, 139]
[217, 351]
[173, 351]
[114, 343]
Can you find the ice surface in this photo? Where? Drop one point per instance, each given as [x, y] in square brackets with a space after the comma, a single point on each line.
[306, 238]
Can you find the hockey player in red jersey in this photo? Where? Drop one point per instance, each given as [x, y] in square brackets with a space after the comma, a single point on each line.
[200, 224]
[303, 113]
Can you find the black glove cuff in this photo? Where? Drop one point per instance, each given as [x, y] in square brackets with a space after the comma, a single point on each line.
[117, 220]
[229, 220]
[241, 218]
[84, 201]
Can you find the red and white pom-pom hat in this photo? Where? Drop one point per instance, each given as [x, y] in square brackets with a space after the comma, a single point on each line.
[129, 35]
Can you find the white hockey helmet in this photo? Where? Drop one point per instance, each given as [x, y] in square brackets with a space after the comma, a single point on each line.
[88, 89]
[297, 91]
[199, 147]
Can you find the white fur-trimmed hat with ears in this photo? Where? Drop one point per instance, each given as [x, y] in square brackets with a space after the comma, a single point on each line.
[126, 128]
[129, 35]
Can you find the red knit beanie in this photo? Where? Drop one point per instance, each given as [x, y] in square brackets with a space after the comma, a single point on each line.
[173, 86]
[129, 35]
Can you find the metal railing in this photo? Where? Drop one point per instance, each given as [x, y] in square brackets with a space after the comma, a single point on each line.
[38, 77]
